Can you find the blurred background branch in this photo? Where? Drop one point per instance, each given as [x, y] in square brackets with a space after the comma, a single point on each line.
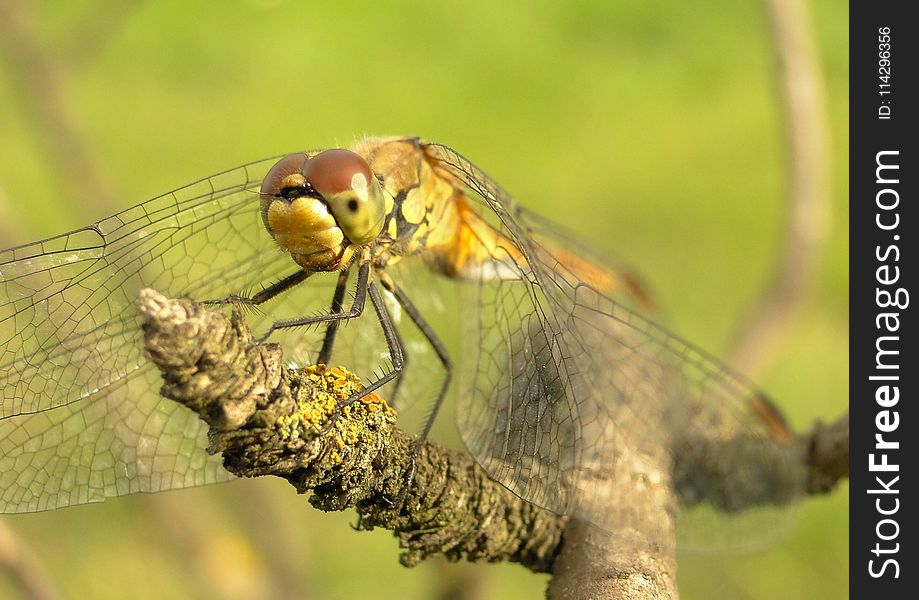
[22, 569]
[41, 84]
[800, 88]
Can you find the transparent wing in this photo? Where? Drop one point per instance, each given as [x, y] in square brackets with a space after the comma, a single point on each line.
[81, 418]
[569, 389]
[610, 275]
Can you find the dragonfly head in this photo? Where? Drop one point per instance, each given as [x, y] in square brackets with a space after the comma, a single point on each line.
[321, 208]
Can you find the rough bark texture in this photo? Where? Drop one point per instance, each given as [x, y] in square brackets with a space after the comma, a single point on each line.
[268, 419]
[594, 564]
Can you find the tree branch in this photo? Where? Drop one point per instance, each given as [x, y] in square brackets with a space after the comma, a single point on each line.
[22, 568]
[759, 337]
[40, 81]
[267, 419]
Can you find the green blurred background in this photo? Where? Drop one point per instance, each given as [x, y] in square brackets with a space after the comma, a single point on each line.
[652, 127]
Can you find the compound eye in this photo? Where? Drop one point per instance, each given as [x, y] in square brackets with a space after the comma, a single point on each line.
[347, 184]
[285, 175]
[333, 172]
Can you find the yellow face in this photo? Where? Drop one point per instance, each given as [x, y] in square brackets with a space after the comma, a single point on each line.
[321, 209]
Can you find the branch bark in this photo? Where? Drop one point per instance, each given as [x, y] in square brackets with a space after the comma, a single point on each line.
[265, 419]
[268, 419]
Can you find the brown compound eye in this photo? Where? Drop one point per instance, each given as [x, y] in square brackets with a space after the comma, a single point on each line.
[333, 172]
[346, 183]
[285, 174]
[341, 179]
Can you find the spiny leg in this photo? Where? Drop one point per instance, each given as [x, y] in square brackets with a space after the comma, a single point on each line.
[266, 294]
[393, 344]
[328, 341]
[393, 397]
[439, 349]
[444, 357]
[338, 298]
[357, 307]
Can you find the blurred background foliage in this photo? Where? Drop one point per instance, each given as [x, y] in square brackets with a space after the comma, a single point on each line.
[651, 127]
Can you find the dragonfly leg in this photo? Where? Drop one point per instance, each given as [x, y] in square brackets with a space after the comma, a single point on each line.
[393, 343]
[266, 294]
[398, 385]
[444, 357]
[331, 330]
[436, 344]
[328, 341]
[357, 308]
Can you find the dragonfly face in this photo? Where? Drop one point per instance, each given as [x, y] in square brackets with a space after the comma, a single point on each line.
[320, 208]
[557, 374]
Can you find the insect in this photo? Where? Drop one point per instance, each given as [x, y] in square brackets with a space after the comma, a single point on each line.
[558, 373]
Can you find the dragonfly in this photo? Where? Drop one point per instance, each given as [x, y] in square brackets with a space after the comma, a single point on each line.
[559, 368]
